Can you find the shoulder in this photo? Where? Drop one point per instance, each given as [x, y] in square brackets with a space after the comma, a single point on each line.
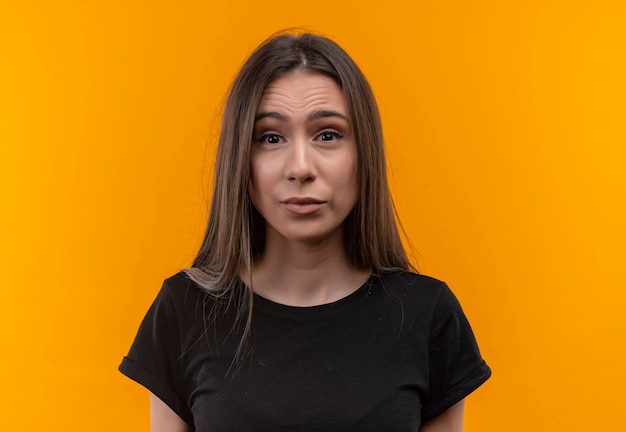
[179, 281]
[189, 299]
[424, 295]
[181, 295]
[404, 282]
[180, 286]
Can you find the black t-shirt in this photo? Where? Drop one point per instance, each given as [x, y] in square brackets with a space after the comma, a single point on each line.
[395, 353]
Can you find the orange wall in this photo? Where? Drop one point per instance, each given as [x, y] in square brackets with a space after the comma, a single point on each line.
[506, 136]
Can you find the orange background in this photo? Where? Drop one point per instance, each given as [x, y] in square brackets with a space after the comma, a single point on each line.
[505, 126]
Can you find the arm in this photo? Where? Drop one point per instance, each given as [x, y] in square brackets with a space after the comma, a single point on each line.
[451, 420]
[163, 419]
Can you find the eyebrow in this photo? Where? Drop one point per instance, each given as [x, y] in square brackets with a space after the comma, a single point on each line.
[313, 116]
[327, 113]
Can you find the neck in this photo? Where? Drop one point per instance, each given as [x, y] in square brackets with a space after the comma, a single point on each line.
[305, 274]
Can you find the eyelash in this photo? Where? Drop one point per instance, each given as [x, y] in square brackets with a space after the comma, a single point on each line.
[336, 135]
[263, 139]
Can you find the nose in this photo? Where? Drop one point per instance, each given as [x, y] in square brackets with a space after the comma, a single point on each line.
[300, 166]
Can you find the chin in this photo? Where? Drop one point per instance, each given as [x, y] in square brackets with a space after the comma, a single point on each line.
[309, 236]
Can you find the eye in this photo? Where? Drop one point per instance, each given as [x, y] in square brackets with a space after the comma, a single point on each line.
[329, 136]
[269, 139]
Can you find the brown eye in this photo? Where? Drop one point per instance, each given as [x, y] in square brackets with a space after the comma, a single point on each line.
[269, 139]
[329, 136]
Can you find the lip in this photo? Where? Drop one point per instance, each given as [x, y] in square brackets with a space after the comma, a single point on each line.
[303, 205]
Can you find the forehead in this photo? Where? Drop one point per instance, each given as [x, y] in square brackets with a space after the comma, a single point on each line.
[302, 91]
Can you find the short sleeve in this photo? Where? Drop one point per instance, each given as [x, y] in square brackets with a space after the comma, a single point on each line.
[456, 367]
[154, 359]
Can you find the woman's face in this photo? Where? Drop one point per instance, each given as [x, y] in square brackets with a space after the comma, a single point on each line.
[304, 159]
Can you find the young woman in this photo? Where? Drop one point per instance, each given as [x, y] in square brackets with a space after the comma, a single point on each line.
[301, 311]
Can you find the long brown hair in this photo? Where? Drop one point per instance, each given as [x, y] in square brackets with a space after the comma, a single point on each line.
[235, 232]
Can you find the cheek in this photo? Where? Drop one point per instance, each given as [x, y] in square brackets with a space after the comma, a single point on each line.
[351, 173]
[346, 183]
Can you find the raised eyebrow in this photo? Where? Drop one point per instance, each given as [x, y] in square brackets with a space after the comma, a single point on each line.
[270, 114]
[326, 113]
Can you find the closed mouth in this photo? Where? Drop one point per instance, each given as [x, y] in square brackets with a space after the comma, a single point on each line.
[303, 201]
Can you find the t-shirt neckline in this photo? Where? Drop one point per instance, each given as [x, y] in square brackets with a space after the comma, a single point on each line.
[266, 305]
